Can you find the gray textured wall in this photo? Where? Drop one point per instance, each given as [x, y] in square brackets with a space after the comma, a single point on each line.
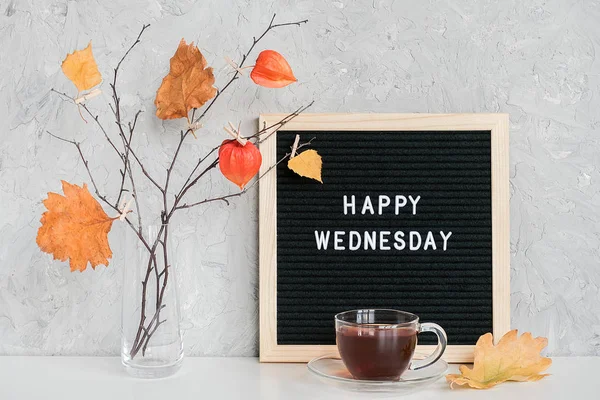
[533, 59]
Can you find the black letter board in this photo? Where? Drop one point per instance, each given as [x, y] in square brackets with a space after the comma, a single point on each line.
[403, 220]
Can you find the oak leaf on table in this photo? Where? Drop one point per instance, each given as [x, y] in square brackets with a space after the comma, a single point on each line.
[188, 85]
[75, 227]
[81, 69]
[514, 358]
[308, 164]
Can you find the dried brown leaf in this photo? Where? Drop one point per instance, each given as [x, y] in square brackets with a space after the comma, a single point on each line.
[188, 85]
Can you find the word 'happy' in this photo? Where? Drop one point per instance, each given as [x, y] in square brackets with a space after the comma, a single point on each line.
[384, 240]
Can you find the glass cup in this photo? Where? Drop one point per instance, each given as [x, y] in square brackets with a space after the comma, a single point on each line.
[379, 344]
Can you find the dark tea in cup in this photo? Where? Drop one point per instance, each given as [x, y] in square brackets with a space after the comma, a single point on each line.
[374, 353]
[380, 344]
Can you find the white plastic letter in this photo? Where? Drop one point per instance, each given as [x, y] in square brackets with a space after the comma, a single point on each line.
[445, 238]
[322, 239]
[351, 205]
[384, 201]
[400, 243]
[368, 205]
[429, 241]
[383, 240]
[351, 245]
[416, 235]
[414, 202]
[400, 202]
[338, 241]
[370, 240]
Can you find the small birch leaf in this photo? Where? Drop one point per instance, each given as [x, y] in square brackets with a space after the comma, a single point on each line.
[307, 164]
[512, 359]
[81, 69]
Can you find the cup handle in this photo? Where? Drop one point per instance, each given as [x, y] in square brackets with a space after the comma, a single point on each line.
[439, 350]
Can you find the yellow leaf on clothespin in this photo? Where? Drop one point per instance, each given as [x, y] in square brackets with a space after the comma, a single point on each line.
[81, 69]
[307, 164]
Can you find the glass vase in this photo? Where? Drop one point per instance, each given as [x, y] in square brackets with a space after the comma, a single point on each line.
[151, 344]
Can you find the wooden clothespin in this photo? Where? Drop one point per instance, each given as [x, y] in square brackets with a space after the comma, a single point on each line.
[193, 127]
[125, 208]
[234, 65]
[87, 96]
[235, 133]
[295, 147]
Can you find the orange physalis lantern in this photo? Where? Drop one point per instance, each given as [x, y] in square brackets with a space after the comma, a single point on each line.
[239, 163]
[272, 70]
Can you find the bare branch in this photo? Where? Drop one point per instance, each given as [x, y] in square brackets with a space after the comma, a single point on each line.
[232, 195]
[189, 186]
[144, 171]
[146, 329]
[135, 119]
[188, 182]
[244, 59]
[130, 174]
[191, 174]
[137, 40]
[126, 171]
[278, 125]
[100, 196]
[63, 94]
[95, 118]
[182, 137]
[117, 112]
[61, 138]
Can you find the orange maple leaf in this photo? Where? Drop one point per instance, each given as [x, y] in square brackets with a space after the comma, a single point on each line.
[272, 70]
[75, 227]
[81, 69]
[512, 359]
[189, 83]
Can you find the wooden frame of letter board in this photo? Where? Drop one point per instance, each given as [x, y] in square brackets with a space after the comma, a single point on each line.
[270, 351]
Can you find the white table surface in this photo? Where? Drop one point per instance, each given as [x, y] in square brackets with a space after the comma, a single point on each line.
[87, 378]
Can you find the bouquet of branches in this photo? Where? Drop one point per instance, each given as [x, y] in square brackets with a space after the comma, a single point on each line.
[76, 226]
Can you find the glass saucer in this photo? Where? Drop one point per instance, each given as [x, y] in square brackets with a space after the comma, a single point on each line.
[333, 371]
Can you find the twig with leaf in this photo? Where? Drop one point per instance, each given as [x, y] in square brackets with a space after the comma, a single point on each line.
[185, 90]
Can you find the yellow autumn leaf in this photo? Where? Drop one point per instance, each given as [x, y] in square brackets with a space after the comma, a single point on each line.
[80, 67]
[512, 359]
[307, 164]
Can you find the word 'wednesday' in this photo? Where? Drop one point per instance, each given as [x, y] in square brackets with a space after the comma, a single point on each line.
[384, 240]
